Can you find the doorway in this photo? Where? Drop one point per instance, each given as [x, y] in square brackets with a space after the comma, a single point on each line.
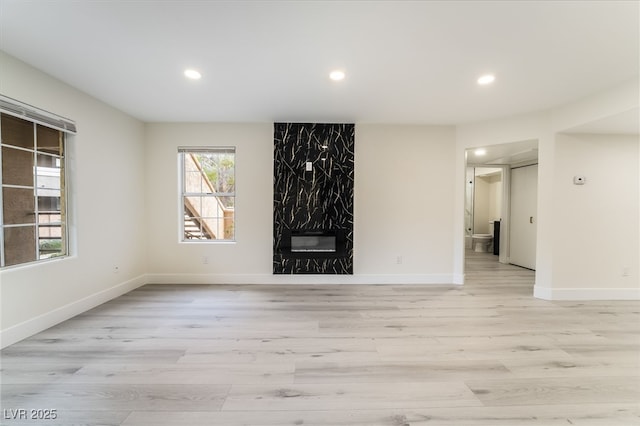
[483, 207]
[504, 159]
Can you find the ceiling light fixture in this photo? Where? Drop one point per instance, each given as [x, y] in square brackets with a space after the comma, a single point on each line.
[486, 79]
[337, 75]
[480, 152]
[192, 74]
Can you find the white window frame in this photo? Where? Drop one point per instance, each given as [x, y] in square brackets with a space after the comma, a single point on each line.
[36, 116]
[184, 193]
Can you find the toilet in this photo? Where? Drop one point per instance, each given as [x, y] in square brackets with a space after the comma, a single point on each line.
[482, 243]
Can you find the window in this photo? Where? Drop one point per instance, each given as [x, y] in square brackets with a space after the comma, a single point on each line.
[207, 194]
[33, 215]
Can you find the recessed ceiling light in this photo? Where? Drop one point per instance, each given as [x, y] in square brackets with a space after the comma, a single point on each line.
[192, 74]
[337, 75]
[480, 151]
[486, 79]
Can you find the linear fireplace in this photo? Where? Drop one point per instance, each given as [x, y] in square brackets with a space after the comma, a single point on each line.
[299, 243]
[313, 244]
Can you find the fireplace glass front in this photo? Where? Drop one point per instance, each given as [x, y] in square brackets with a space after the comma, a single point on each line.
[313, 243]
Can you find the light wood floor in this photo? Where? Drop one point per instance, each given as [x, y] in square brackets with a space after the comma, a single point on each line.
[487, 353]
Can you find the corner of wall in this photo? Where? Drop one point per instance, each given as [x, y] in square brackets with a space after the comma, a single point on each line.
[28, 328]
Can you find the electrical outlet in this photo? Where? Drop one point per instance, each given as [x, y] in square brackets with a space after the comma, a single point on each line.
[205, 260]
[625, 271]
[116, 269]
[399, 260]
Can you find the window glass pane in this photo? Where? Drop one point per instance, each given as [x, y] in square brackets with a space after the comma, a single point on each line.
[205, 228]
[49, 218]
[51, 248]
[45, 160]
[49, 140]
[18, 206]
[229, 226]
[17, 132]
[193, 182]
[19, 245]
[193, 206]
[219, 168]
[48, 176]
[17, 167]
[227, 202]
[193, 229]
[49, 204]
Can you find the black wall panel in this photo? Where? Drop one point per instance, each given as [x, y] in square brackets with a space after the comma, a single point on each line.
[313, 192]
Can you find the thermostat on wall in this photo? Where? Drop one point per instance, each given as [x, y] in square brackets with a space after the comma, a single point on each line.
[579, 180]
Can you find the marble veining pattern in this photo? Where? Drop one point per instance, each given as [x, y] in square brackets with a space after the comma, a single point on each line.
[319, 199]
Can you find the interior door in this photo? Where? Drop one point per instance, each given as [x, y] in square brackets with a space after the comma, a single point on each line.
[524, 204]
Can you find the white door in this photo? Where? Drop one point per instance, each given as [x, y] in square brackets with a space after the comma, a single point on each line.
[524, 203]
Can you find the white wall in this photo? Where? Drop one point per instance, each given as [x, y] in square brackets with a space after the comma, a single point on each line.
[481, 205]
[249, 258]
[488, 202]
[495, 197]
[107, 212]
[596, 224]
[404, 202]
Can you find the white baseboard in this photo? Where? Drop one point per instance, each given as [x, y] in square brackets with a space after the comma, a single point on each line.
[35, 325]
[300, 279]
[547, 293]
[458, 279]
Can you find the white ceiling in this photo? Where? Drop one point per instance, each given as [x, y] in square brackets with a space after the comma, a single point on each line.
[627, 123]
[406, 61]
[514, 153]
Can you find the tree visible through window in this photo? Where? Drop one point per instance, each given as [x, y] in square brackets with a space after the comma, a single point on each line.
[208, 193]
[33, 196]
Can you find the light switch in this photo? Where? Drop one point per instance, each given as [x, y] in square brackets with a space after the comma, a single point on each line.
[309, 166]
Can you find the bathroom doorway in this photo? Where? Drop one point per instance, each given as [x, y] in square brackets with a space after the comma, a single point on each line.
[488, 195]
[483, 209]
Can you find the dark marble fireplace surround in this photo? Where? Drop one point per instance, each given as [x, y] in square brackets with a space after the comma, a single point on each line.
[313, 198]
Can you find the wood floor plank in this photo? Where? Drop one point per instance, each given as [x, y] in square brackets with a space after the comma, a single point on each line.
[282, 350]
[91, 397]
[470, 348]
[557, 390]
[619, 351]
[349, 396]
[27, 353]
[585, 367]
[205, 374]
[397, 372]
[17, 372]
